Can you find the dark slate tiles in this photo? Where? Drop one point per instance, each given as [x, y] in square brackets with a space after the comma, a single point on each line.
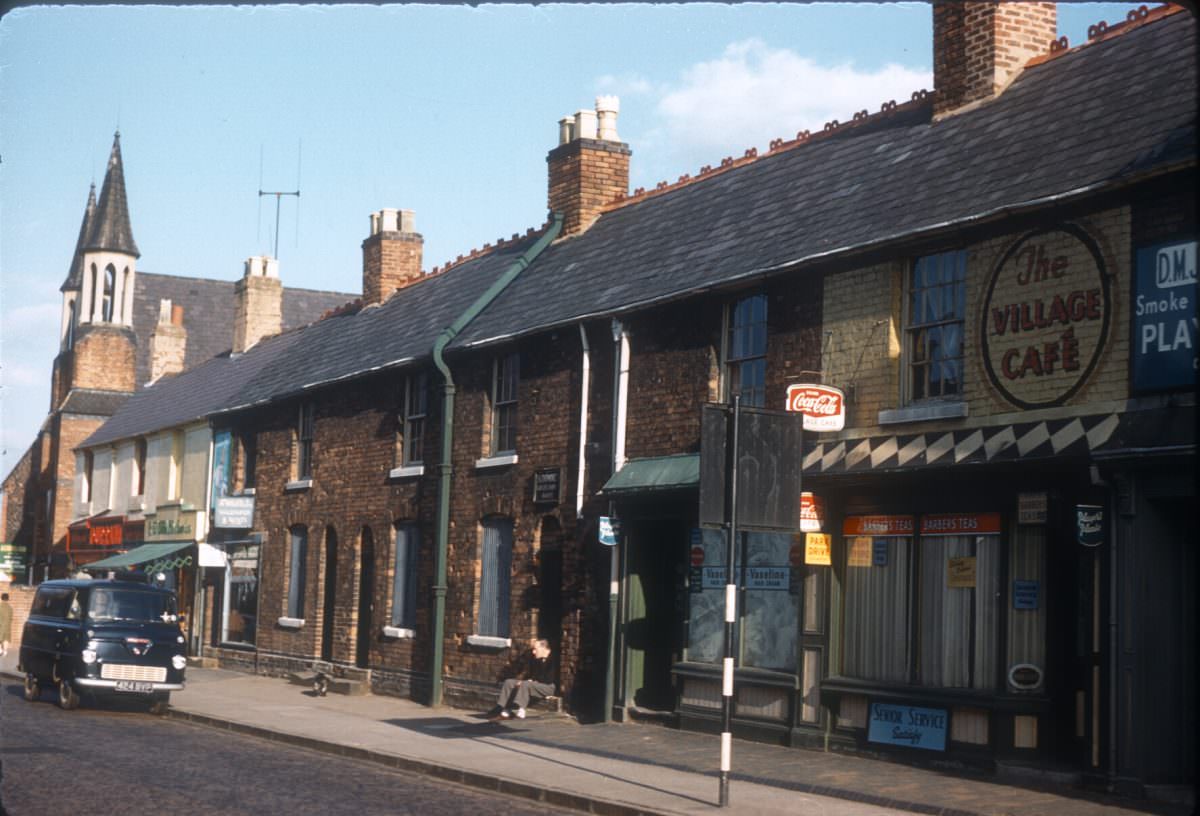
[93, 403]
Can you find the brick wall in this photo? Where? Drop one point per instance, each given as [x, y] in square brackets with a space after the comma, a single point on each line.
[103, 358]
[391, 260]
[21, 600]
[258, 310]
[21, 490]
[584, 175]
[71, 430]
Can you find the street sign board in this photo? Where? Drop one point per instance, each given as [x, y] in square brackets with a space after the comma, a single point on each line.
[823, 406]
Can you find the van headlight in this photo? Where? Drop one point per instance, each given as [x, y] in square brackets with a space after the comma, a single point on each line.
[88, 656]
[179, 661]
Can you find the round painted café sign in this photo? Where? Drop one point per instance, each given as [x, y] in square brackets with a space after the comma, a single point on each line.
[1045, 318]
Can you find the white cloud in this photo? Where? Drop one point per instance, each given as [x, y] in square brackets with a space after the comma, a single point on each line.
[33, 318]
[624, 85]
[754, 93]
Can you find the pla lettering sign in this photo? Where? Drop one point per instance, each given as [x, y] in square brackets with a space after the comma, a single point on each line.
[1164, 318]
[1089, 524]
[234, 512]
[1045, 317]
[812, 513]
[547, 486]
[910, 726]
[823, 406]
[818, 549]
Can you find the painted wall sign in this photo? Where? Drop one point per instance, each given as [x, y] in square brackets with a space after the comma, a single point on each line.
[1025, 594]
[170, 522]
[1089, 524]
[823, 406]
[878, 525]
[1163, 344]
[233, 512]
[818, 549]
[93, 533]
[812, 513]
[1033, 508]
[1045, 317]
[960, 524]
[547, 486]
[960, 572]
[910, 726]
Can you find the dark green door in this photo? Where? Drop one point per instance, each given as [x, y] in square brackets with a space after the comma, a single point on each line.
[653, 622]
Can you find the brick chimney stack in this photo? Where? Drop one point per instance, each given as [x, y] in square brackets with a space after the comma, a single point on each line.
[391, 254]
[168, 343]
[590, 166]
[979, 47]
[258, 303]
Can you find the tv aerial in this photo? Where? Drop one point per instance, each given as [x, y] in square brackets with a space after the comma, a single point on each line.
[279, 194]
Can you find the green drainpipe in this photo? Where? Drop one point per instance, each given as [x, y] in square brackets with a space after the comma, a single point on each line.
[443, 519]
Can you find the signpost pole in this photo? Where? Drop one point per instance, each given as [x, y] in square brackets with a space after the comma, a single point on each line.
[730, 612]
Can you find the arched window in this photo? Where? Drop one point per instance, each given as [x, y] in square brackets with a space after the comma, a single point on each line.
[297, 571]
[110, 281]
[126, 283]
[70, 340]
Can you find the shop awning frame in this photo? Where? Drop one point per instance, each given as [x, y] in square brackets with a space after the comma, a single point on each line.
[676, 472]
[142, 554]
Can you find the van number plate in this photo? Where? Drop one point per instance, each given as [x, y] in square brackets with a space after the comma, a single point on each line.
[134, 686]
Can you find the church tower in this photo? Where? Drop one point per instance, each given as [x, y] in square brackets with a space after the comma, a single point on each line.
[97, 344]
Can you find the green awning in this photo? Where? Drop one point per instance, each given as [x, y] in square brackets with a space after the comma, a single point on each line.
[655, 473]
[140, 555]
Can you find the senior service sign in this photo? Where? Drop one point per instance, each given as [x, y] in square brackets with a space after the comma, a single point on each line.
[1045, 318]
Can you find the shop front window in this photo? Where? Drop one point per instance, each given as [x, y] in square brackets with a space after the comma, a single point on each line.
[768, 605]
[922, 601]
[239, 614]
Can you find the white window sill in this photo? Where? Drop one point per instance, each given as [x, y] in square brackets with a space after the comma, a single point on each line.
[299, 484]
[398, 633]
[406, 472]
[502, 460]
[489, 642]
[291, 623]
[923, 412]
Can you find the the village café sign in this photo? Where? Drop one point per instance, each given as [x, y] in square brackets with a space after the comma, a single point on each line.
[1046, 315]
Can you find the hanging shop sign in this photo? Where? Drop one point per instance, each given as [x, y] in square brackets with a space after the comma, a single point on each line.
[956, 524]
[547, 486]
[608, 536]
[222, 466]
[1045, 317]
[171, 522]
[878, 526]
[209, 556]
[823, 406]
[1089, 524]
[818, 549]
[909, 726]
[233, 512]
[812, 513]
[1164, 317]
[1033, 508]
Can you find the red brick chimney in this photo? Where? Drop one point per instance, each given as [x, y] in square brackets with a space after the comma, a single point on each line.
[590, 166]
[979, 47]
[391, 255]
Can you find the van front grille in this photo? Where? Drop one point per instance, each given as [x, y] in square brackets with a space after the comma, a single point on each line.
[119, 671]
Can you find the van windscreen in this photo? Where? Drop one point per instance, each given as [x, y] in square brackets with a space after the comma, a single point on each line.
[132, 605]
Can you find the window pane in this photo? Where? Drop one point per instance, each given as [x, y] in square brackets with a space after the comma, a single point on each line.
[404, 581]
[496, 566]
[297, 572]
[770, 611]
[877, 604]
[954, 618]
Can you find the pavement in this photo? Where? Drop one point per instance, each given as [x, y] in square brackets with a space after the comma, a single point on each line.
[620, 769]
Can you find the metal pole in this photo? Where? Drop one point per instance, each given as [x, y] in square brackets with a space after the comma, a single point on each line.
[730, 612]
[613, 590]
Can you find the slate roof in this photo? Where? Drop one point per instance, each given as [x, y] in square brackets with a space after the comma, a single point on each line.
[191, 395]
[75, 275]
[400, 330]
[208, 313]
[110, 226]
[93, 403]
[1090, 119]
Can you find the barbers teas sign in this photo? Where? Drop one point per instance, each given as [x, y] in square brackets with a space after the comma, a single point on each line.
[1045, 319]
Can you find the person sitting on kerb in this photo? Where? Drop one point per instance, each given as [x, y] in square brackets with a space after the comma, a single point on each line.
[534, 677]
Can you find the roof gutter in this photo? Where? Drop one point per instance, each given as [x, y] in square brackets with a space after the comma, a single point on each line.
[444, 469]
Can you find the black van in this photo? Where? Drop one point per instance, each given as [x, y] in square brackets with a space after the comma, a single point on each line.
[103, 637]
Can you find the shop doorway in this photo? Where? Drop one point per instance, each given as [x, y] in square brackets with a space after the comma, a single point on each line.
[653, 619]
[550, 579]
[366, 599]
[329, 597]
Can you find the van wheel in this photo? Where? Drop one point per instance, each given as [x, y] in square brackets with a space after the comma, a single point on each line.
[160, 703]
[33, 689]
[68, 698]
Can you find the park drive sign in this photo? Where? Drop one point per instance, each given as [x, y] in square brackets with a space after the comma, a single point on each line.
[823, 406]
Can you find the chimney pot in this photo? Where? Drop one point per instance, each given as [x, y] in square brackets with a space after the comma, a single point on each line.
[389, 220]
[566, 129]
[585, 124]
[176, 315]
[607, 108]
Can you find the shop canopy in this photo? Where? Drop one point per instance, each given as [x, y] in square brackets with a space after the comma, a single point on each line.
[159, 551]
[655, 473]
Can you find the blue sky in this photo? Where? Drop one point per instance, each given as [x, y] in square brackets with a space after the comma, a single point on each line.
[445, 110]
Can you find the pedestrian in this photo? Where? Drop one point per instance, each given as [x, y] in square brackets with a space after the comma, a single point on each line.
[6, 615]
[534, 677]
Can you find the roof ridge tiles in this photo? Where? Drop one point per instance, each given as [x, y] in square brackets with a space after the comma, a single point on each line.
[1101, 31]
[776, 146]
[487, 249]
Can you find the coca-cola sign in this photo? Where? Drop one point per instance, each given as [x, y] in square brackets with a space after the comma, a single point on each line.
[823, 406]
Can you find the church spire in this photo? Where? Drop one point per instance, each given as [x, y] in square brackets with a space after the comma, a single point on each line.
[110, 229]
[74, 279]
